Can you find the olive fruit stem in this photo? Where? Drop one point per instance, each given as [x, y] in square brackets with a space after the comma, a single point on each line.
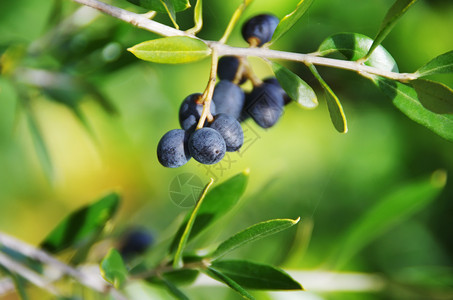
[234, 19]
[209, 91]
[223, 49]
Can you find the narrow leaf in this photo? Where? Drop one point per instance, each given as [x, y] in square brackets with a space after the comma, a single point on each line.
[113, 269]
[295, 87]
[393, 15]
[40, 145]
[171, 50]
[439, 65]
[178, 263]
[354, 46]
[405, 99]
[181, 276]
[170, 11]
[333, 103]
[388, 212]
[197, 17]
[157, 5]
[213, 273]
[289, 20]
[82, 224]
[174, 290]
[253, 233]
[218, 202]
[434, 96]
[256, 276]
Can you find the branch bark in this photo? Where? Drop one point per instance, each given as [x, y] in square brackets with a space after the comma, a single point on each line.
[92, 281]
[142, 22]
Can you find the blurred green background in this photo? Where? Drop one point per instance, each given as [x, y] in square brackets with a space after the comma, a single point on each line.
[301, 167]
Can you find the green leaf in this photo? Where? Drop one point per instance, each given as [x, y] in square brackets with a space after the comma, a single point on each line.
[218, 201]
[405, 99]
[182, 276]
[177, 262]
[82, 224]
[213, 273]
[169, 8]
[439, 65]
[256, 276]
[113, 269]
[434, 96]
[253, 233]
[291, 19]
[393, 15]
[354, 46]
[40, 145]
[295, 87]
[157, 5]
[333, 104]
[391, 210]
[29, 262]
[197, 17]
[174, 290]
[171, 50]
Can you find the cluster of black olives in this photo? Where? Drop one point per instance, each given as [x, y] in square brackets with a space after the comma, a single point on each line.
[230, 105]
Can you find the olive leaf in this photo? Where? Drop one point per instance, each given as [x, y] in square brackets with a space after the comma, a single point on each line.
[171, 50]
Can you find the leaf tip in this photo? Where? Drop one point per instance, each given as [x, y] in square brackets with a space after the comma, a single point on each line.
[439, 178]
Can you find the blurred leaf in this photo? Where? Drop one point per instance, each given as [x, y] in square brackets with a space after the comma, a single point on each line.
[100, 98]
[40, 145]
[171, 50]
[256, 276]
[182, 276]
[354, 46]
[427, 276]
[219, 201]
[82, 224]
[178, 263]
[253, 233]
[19, 283]
[197, 17]
[213, 273]
[291, 19]
[434, 96]
[295, 87]
[393, 15]
[56, 14]
[439, 65]
[113, 269]
[333, 103]
[405, 99]
[157, 5]
[32, 264]
[388, 212]
[169, 8]
[174, 290]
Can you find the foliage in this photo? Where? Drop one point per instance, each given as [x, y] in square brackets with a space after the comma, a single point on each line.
[57, 68]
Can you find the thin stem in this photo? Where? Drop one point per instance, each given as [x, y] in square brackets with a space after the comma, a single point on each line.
[18, 268]
[198, 18]
[248, 72]
[222, 49]
[89, 280]
[234, 19]
[158, 271]
[207, 95]
[312, 59]
[135, 19]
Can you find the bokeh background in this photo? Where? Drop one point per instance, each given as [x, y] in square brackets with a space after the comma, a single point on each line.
[301, 167]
